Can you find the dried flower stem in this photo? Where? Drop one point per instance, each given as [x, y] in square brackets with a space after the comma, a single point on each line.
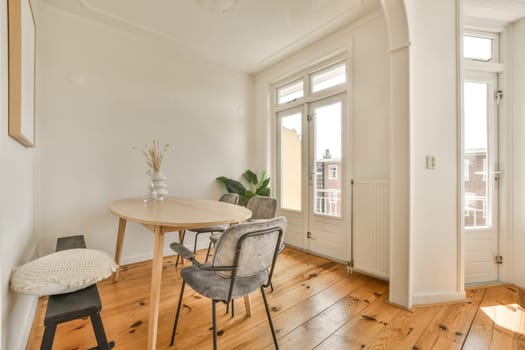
[154, 155]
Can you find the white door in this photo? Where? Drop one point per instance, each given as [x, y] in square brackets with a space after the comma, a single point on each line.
[311, 176]
[481, 174]
[327, 222]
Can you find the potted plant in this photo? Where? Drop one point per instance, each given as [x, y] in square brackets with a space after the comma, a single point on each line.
[256, 186]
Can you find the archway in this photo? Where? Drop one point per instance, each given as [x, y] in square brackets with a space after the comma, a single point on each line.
[397, 26]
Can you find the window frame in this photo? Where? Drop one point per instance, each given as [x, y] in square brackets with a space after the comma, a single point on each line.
[304, 75]
[290, 82]
[484, 35]
[326, 69]
[340, 57]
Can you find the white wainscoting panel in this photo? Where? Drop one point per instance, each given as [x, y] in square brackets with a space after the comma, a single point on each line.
[371, 226]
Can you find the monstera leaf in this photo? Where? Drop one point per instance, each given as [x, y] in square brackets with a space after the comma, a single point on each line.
[256, 186]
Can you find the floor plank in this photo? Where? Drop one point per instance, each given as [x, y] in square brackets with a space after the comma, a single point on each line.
[315, 304]
[361, 330]
[323, 324]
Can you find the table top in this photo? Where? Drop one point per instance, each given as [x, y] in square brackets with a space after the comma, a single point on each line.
[180, 212]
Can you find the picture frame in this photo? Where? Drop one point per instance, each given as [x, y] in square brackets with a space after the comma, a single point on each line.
[22, 70]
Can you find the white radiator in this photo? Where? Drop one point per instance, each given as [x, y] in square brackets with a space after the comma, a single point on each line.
[371, 246]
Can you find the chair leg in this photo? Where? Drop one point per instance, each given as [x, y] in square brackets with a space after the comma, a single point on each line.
[214, 323]
[100, 334]
[181, 243]
[228, 308]
[195, 243]
[208, 253]
[49, 335]
[269, 318]
[178, 313]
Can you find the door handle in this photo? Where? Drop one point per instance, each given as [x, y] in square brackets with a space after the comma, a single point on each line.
[311, 177]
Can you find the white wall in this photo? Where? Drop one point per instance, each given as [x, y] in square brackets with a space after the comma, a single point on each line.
[18, 242]
[370, 100]
[517, 111]
[434, 250]
[106, 91]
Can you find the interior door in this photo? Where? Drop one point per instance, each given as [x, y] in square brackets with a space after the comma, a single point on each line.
[327, 220]
[481, 174]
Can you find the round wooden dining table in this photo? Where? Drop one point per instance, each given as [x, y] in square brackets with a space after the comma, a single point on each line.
[163, 216]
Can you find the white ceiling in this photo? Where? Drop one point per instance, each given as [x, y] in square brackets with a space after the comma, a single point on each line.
[498, 11]
[248, 37]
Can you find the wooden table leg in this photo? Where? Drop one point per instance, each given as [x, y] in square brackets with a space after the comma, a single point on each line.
[181, 241]
[248, 305]
[120, 242]
[156, 277]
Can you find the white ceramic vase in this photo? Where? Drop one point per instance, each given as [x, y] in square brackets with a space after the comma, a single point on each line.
[159, 182]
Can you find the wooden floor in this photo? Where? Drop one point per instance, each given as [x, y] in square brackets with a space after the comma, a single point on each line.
[316, 304]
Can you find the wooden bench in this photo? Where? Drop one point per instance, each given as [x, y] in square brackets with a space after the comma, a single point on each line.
[70, 306]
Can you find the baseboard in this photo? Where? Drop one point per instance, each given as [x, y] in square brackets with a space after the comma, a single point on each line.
[331, 258]
[30, 320]
[369, 272]
[484, 284]
[29, 323]
[438, 298]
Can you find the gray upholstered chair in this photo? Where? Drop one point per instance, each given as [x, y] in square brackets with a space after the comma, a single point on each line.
[232, 198]
[261, 207]
[243, 262]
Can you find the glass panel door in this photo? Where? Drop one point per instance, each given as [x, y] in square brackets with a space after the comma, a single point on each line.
[327, 222]
[477, 214]
[327, 159]
[290, 142]
[481, 215]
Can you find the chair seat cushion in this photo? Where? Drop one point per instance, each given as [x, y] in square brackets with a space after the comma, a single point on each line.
[210, 229]
[213, 286]
[62, 272]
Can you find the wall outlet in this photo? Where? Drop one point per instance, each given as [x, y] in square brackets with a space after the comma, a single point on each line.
[431, 162]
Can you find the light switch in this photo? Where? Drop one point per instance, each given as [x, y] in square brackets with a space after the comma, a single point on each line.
[431, 162]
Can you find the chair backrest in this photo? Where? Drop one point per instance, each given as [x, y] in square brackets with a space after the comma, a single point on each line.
[251, 246]
[232, 198]
[262, 207]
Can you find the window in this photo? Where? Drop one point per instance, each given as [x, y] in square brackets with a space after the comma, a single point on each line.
[332, 172]
[328, 78]
[305, 85]
[291, 160]
[481, 46]
[296, 102]
[290, 92]
[466, 169]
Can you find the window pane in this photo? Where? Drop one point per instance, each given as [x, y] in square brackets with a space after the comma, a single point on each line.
[291, 162]
[477, 48]
[328, 78]
[476, 141]
[328, 149]
[290, 92]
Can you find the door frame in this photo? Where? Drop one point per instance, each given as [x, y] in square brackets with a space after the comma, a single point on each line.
[345, 89]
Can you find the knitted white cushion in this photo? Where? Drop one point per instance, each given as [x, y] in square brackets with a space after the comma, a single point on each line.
[62, 272]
